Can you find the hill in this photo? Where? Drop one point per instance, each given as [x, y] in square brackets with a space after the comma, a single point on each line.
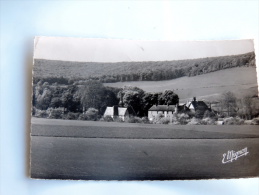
[241, 81]
[53, 71]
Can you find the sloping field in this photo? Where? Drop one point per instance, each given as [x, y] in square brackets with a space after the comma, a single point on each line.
[241, 81]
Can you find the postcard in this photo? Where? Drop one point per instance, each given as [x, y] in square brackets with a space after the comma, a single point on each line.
[111, 109]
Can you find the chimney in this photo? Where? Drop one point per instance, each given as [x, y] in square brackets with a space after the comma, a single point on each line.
[194, 99]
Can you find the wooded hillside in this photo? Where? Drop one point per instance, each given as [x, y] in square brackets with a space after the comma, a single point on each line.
[68, 72]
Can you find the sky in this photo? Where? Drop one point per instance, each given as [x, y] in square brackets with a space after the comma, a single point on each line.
[119, 50]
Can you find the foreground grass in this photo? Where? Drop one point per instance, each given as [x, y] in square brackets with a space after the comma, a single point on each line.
[92, 129]
[139, 159]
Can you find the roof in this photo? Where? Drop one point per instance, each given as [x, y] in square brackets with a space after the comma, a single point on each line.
[162, 108]
[197, 104]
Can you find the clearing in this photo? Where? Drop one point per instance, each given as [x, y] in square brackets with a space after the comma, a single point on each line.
[210, 86]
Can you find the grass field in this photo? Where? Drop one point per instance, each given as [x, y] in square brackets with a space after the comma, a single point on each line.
[241, 81]
[97, 129]
[99, 151]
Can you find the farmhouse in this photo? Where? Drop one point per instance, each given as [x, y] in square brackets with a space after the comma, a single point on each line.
[169, 110]
[166, 110]
[119, 112]
[195, 105]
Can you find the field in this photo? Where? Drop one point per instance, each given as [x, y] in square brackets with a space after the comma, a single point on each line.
[209, 86]
[98, 151]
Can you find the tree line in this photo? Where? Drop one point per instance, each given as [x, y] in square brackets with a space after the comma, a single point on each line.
[93, 94]
[67, 72]
[89, 101]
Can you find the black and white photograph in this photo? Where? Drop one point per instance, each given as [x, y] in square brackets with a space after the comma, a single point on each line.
[111, 109]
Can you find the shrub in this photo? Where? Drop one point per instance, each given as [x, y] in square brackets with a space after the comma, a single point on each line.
[209, 114]
[145, 120]
[134, 119]
[248, 122]
[255, 121]
[55, 113]
[165, 120]
[118, 119]
[33, 111]
[176, 123]
[183, 118]
[194, 121]
[107, 119]
[233, 121]
[190, 114]
[208, 121]
[82, 117]
[91, 114]
[40, 113]
[199, 114]
[71, 116]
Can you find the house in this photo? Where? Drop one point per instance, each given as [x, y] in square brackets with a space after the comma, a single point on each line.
[195, 105]
[166, 110]
[119, 112]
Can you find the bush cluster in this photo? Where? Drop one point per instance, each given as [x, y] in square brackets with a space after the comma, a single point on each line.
[255, 121]
[71, 116]
[233, 121]
[55, 113]
[91, 114]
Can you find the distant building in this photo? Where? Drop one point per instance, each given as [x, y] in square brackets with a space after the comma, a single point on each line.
[119, 112]
[166, 110]
[195, 105]
[169, 110]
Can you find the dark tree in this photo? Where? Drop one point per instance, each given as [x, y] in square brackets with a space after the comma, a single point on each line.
[56, 102]
[168, 97]
[91, 94]
[132, 97]
[109, 99]
[148, 100]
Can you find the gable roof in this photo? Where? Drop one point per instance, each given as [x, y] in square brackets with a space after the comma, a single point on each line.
[162, 108]
[198, 105]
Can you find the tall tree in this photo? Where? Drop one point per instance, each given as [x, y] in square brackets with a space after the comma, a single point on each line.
[168, 97]
[132, 97]
[109, 98]
[69, 102]
[229, 101]
[91, 94]
[247, 104]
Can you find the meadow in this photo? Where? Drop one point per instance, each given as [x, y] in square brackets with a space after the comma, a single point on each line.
[99, 129]
[241, 81]
[90, 150]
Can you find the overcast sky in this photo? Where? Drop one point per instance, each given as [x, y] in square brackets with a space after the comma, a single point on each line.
[116, 50]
